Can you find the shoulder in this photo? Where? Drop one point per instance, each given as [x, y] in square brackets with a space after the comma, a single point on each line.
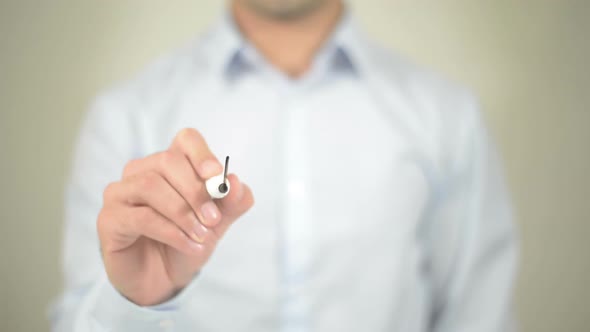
[162, 81]
[445, 115]
[426, 91]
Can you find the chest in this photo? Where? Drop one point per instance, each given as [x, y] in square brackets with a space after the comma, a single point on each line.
[335, 180]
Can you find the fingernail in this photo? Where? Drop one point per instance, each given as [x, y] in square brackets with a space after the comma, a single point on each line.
[200, 232]
[210, 213]
[196, 246]
[210, 168]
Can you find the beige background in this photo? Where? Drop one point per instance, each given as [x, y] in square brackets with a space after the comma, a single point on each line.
[528, 60]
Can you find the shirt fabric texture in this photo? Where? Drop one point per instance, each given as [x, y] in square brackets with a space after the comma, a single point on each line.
[380, 203]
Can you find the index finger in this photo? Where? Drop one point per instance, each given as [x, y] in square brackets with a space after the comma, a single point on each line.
[192, 144]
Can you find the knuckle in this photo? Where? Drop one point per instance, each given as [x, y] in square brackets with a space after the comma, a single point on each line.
[173, 234]
[148, 181]
[109, 192]
[101, 221]
[107, 245]
[192, 195]
[181, 211]
[104, 228]
[167, 158]
[130, 167]
[189, 137]
[199, 188]
[196, 193]
[187, 134]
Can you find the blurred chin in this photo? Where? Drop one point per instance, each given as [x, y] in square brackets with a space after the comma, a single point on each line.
[284, 9]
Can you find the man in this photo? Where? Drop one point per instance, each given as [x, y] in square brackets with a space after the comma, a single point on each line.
[379, 202]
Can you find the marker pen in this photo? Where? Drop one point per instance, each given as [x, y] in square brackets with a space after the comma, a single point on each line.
[218, 186]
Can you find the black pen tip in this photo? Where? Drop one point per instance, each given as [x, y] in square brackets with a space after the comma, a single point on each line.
[223, 188]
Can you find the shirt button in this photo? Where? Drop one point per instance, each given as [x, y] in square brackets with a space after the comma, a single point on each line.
[166, 324]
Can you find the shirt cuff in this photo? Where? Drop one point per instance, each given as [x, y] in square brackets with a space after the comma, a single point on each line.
[111, 311]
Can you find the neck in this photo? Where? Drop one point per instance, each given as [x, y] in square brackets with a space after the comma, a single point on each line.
[288, 44]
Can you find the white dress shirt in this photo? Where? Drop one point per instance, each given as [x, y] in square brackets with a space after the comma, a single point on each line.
[380, 205]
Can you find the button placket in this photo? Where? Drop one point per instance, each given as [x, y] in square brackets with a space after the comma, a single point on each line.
[296, 221]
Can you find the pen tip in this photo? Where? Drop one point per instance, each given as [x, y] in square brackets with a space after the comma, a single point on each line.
[223, 188]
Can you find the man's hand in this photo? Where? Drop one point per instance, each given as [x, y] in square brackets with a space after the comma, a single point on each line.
[158, 225]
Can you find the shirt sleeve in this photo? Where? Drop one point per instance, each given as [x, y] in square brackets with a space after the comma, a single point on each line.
[473, 241]
[89, 302]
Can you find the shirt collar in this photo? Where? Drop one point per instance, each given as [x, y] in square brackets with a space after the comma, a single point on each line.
[233, 55]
